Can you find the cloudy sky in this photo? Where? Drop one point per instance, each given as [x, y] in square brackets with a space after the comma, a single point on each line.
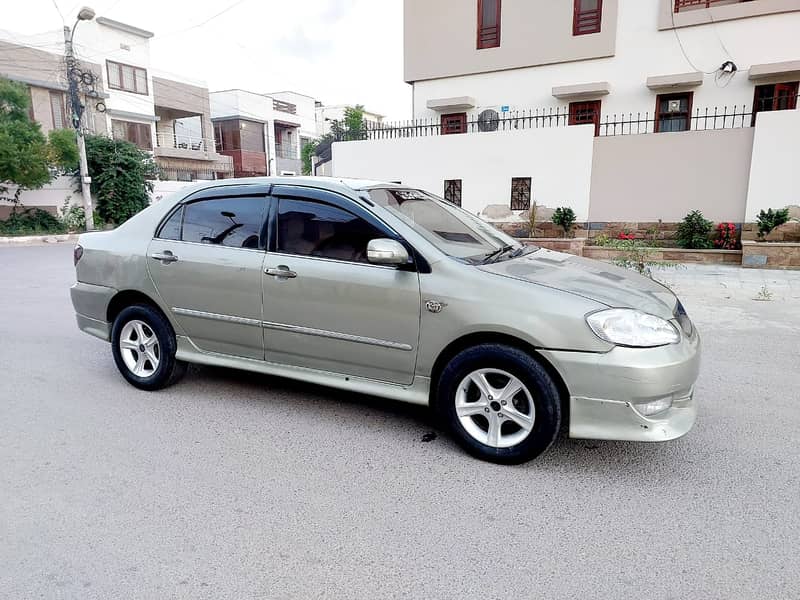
[339, 51]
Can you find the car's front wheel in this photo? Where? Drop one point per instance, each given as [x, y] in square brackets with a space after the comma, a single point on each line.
[144, 346]
[500, 404]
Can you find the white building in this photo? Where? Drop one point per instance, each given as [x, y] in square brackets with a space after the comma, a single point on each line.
[515, 75]
[264, 133]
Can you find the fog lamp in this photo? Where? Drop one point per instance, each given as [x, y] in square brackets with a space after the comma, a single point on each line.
[653, 407]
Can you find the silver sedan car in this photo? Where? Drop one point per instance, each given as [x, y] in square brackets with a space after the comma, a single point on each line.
[387, 290]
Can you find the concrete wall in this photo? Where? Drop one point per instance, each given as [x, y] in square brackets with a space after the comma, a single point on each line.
[775, 170]
[441, 37]
[642, 51]
[666, 175]
[557, 160]
[185, 98]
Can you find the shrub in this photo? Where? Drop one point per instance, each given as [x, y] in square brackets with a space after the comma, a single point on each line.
[726, 237]
[770, 219]
[638, 256]
[31, 221]
[693, 232]
[121, 177]
[73, 217]
[565, 218]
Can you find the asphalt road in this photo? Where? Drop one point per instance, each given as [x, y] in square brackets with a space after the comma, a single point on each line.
[231, 485]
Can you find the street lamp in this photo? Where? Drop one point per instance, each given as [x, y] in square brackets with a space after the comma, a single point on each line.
[84, 14]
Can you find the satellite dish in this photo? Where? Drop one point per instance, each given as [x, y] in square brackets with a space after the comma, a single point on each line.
[488, 120]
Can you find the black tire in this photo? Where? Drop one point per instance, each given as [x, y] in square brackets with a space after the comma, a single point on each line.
[169, 369]
[530, 372]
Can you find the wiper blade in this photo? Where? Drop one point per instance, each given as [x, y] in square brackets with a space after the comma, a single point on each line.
[494, 256]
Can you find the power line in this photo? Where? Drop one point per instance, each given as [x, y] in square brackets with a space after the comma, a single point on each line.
[60, 14]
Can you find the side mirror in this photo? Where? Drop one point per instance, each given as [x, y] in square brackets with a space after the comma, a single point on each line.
[384, 251]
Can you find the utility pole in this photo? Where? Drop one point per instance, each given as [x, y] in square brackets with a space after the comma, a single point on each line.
[74, 78]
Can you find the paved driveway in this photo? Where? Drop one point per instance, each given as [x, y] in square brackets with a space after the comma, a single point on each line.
[233, 485]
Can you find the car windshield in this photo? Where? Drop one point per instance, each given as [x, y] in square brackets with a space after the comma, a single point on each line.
[452, 230]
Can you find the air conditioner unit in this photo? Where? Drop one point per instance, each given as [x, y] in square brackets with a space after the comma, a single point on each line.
[674, 106]
[488, 120]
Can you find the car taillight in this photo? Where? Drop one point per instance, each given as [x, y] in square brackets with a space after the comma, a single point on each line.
[77, 254]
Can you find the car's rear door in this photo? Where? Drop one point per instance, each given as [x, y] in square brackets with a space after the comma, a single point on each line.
[325, 306]
[206, 263]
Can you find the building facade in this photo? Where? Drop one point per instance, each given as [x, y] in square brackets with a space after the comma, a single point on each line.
[670, 96]
[263, 133]
[169, 117]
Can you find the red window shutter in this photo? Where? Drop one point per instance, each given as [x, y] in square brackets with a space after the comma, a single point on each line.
[488, 24]
[588, 16]
[454, 123]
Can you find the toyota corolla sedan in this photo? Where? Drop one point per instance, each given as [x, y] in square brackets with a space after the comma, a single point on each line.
[387, 290]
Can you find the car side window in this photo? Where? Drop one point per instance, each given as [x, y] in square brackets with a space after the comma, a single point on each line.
[171, 229]
[317, 229]
[231, 222]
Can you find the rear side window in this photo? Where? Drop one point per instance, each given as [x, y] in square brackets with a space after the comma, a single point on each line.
[231, 222]
[171, 229]
[316, 229]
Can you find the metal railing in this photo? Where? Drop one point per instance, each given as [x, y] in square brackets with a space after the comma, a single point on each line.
[286, 107]
[184, 142]
[682, 4]
[700, 119]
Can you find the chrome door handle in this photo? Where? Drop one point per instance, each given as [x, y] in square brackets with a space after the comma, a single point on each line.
[165, 257]
[281, 271]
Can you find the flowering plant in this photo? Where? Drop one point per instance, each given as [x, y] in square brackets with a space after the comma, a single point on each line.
[624, 235]
[726, 237]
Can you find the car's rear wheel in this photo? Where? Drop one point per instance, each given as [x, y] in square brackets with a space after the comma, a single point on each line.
[143, 344]
[500, 404]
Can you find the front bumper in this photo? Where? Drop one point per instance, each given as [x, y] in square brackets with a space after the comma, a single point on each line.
[605, 390]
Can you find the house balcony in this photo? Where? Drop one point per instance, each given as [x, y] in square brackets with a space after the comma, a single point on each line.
[173, 145]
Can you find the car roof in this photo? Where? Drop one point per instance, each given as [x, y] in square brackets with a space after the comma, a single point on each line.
[329, 183]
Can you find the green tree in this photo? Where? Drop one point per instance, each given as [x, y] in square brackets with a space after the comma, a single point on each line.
[565, 218]
[770, 219]
[121, 175]
[306, 152]
[27, 159]
[694, 231]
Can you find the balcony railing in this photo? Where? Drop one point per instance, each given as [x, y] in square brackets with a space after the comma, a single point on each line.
[684, 4]
[286, 107]
[700, 119]
[183, 142]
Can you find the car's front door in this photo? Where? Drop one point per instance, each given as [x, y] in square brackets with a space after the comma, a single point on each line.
[206, 263]
[325, 306]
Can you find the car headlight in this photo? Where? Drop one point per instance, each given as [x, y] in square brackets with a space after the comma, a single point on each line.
[629, 327]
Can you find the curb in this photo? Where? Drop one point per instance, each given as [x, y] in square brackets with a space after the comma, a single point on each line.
[28, 240]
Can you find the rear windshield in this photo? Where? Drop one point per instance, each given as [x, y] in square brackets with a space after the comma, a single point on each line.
[451, 229]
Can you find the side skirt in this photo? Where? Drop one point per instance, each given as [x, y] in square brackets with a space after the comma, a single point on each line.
[416, 393]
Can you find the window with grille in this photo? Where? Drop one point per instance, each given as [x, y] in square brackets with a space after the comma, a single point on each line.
[57, 105]
[588, 16]
[488, 24]
[673, 112]
[126, 78]
[777, 96]
[520, 193]
[585, 113]
[452, 191]
[454, 123]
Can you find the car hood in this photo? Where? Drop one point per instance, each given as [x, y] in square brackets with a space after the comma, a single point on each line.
[599, 281]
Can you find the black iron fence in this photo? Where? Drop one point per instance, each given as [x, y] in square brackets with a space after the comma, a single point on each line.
[700, 119]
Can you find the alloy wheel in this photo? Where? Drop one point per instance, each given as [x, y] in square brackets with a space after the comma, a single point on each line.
[139, 348]
[495, 408]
